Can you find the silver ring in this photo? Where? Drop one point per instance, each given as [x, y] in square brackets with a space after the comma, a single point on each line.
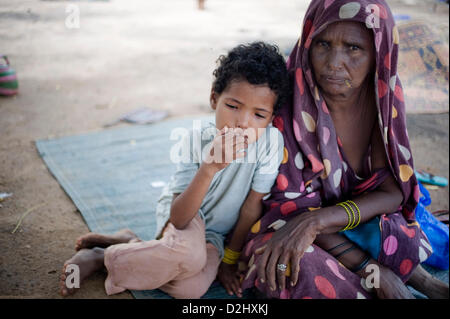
[282, 267]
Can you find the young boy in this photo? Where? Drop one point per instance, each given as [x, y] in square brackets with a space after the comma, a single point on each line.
[216, 192]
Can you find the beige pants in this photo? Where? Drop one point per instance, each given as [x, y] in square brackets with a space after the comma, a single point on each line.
[181, 263]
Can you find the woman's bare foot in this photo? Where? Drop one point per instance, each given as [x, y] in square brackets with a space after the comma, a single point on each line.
[91, 240]
[391, 286]
[88, 262]
[423, 281]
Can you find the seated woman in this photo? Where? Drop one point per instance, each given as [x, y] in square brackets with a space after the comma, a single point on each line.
[340, 220]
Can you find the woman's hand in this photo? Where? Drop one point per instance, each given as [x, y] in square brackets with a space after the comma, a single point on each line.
[229, 276]
[286, 246]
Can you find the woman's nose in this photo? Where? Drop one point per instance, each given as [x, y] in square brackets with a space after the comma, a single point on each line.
[335, 60]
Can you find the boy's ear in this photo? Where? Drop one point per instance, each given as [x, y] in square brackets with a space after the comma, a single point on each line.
[213, 99]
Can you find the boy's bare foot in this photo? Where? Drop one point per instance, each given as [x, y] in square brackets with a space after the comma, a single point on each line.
[91, 240]
[88, 261]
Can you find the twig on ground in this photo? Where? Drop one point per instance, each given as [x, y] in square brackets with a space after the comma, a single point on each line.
[24, 215]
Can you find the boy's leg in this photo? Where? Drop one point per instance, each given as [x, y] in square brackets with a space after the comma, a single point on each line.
[196, 286]
[151, 264]
[91, 240]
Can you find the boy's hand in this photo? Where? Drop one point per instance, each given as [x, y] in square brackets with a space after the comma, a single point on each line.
[229, 276]
[225, 148]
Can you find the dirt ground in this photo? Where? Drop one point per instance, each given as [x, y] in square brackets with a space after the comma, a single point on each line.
[124, 55]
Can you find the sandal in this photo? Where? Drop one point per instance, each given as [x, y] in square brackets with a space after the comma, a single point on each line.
[428, 178]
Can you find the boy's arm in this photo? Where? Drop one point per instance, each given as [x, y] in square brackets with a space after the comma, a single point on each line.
[186, 205]
[250, 212]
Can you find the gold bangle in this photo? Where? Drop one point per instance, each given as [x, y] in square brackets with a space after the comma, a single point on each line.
[359, 213]
[349, 216]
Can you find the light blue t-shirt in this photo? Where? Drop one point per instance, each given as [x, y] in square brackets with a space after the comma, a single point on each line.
[229, 188]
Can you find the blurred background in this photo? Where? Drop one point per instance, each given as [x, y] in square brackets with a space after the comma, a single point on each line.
[83, 64]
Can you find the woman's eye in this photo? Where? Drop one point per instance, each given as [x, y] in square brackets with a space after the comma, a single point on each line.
[231, 106]
[322, 43]
[354, 47]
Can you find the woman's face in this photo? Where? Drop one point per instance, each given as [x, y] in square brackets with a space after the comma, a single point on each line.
[342, 56]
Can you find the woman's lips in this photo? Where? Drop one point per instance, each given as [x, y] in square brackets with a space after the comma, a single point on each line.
[334, 80]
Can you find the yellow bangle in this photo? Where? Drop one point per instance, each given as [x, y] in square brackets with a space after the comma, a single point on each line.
[359, 213]
[232, 253]
[353, 214]
[230, 256]
[229, 261]
[349, 216]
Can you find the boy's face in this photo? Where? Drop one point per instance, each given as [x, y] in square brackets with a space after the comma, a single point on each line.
[246, 106]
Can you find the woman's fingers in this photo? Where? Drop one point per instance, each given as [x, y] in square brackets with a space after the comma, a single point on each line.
[282, 268]
[295, 269]
[271, 270]
[260, 250]
[262, 264]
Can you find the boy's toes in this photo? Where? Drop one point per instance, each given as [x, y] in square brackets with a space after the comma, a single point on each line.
[78, 244]
[64, 291]
[62, 286]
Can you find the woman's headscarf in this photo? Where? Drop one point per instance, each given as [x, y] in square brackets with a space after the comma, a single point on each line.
[313, 172]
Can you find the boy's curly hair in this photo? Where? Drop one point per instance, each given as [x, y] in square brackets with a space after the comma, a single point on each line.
[258, 63]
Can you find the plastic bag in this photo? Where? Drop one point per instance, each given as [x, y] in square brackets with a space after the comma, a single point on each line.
[436, 231]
